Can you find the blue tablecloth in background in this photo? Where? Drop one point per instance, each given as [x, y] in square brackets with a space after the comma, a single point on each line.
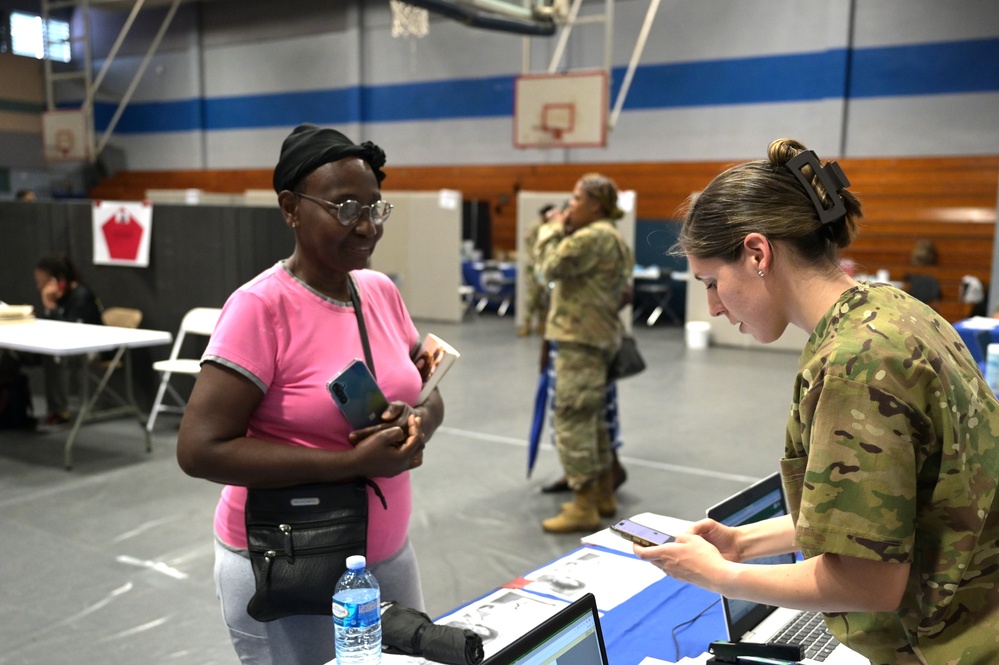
[494, 282]
[977, 333]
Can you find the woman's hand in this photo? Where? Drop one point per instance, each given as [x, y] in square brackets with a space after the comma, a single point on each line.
[396, 415]
[392, 446]
[51, 291]
[389, 452]
[689, 558]
[724, 538]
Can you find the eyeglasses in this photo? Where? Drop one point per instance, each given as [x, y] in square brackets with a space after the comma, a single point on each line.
[349, 212]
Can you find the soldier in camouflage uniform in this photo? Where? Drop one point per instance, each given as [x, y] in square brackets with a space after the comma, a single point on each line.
[536, 300]
[892, 448]
[589, 264]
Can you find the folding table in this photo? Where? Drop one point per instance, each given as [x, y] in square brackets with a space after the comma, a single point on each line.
[61, 338]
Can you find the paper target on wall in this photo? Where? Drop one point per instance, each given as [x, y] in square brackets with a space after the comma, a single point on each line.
[561, 110]
[65, 137]
[122, 230]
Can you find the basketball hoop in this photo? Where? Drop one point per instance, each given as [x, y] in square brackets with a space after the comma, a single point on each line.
[558, 118]
[64, 136]
[409, 21]
[566, 110]
[549, 136]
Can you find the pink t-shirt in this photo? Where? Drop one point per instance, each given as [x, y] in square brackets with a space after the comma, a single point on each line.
[290, 340]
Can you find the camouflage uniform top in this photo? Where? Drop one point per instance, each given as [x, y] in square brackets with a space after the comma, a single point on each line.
[590, 269]
[530, 250]
[891, 455]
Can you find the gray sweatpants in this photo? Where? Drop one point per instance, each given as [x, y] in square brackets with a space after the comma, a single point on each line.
[298, 640]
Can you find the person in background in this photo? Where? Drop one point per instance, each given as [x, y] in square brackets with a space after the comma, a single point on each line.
[924, 253]
[583, 254]
[25, 195]
[924, 286]
[536, 308]
[65, 297]
[891, 456]
[260, 415]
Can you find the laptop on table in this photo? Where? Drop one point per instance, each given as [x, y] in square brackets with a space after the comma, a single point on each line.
[747, 621]
[571, 636]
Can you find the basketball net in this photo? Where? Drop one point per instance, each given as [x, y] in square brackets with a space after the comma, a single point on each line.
[409, 21]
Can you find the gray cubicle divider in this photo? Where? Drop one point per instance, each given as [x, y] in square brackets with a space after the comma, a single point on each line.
[528, 204]
[421, 251]
[199, 254]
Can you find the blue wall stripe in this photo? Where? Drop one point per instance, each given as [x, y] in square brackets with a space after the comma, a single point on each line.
[440, 100]
[318, 106]
[926, 69]
[921, 69]
[169, 116]
[802, 77]
[17, 106]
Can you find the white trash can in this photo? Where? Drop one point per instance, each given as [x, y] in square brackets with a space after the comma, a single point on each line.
[698, 334]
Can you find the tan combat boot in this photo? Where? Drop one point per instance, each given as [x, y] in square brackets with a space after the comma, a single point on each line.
[580, 514]
[606, 501]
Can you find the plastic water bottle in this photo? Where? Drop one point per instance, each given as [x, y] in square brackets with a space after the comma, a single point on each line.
[357, 617]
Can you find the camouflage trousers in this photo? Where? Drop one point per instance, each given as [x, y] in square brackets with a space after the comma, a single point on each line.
[536, 305]
[581, 436]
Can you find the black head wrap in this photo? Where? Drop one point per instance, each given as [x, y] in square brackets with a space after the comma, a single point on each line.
[308, 147]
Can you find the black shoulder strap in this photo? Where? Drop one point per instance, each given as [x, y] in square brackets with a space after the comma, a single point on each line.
[356, 299]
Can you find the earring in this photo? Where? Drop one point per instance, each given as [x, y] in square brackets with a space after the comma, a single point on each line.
[760, 272]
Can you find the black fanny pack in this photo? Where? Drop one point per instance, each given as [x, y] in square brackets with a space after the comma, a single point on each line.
[299, 539]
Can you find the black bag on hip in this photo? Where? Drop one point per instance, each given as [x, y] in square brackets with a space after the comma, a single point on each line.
[299, 539]
[627, 362]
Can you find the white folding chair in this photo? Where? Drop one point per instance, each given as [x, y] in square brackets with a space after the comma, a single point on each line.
[98, 370]
[198, 321]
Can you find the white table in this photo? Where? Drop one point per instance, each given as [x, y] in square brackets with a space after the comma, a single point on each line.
[61, 338]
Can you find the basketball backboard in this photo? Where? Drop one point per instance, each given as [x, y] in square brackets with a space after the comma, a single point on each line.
[64, 136]
[560, 110]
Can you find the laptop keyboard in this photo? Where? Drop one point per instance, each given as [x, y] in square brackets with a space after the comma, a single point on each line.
[809, 630]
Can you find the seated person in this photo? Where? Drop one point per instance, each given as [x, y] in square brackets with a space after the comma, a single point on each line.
[64, 298]
[924, 286]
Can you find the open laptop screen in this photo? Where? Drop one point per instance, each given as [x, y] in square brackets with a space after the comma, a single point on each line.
[572, 636]
[760, 501]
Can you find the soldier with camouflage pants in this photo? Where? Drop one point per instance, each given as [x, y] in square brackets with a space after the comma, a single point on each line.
[891, 454]
[588, 262]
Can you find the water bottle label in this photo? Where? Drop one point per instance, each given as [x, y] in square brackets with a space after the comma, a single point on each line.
[340, 611]
[356, 615]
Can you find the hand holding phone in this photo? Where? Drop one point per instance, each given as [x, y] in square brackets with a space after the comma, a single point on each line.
[357, 395]
[643, 535]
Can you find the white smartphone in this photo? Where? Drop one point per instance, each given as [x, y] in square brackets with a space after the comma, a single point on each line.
[357, 395]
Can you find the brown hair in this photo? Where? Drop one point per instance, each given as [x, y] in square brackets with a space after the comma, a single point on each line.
[764, 196]
[924, 252]
[604, 191]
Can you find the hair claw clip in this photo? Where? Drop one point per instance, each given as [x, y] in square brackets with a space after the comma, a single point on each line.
[832, 178]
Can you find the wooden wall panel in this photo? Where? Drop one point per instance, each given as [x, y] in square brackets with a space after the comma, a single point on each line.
[949, 200]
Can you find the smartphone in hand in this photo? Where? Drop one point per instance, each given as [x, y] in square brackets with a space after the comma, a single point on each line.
[643, 535]
[357, 395]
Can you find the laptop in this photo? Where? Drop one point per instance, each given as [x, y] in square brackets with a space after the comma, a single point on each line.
[571, 636]
[747, 621]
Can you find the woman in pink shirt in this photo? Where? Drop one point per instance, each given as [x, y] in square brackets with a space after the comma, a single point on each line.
[260, 415]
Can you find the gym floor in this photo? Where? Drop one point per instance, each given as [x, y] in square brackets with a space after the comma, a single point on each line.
[112, 561]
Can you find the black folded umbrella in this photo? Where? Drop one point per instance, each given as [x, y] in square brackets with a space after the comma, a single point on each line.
[411, 632]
